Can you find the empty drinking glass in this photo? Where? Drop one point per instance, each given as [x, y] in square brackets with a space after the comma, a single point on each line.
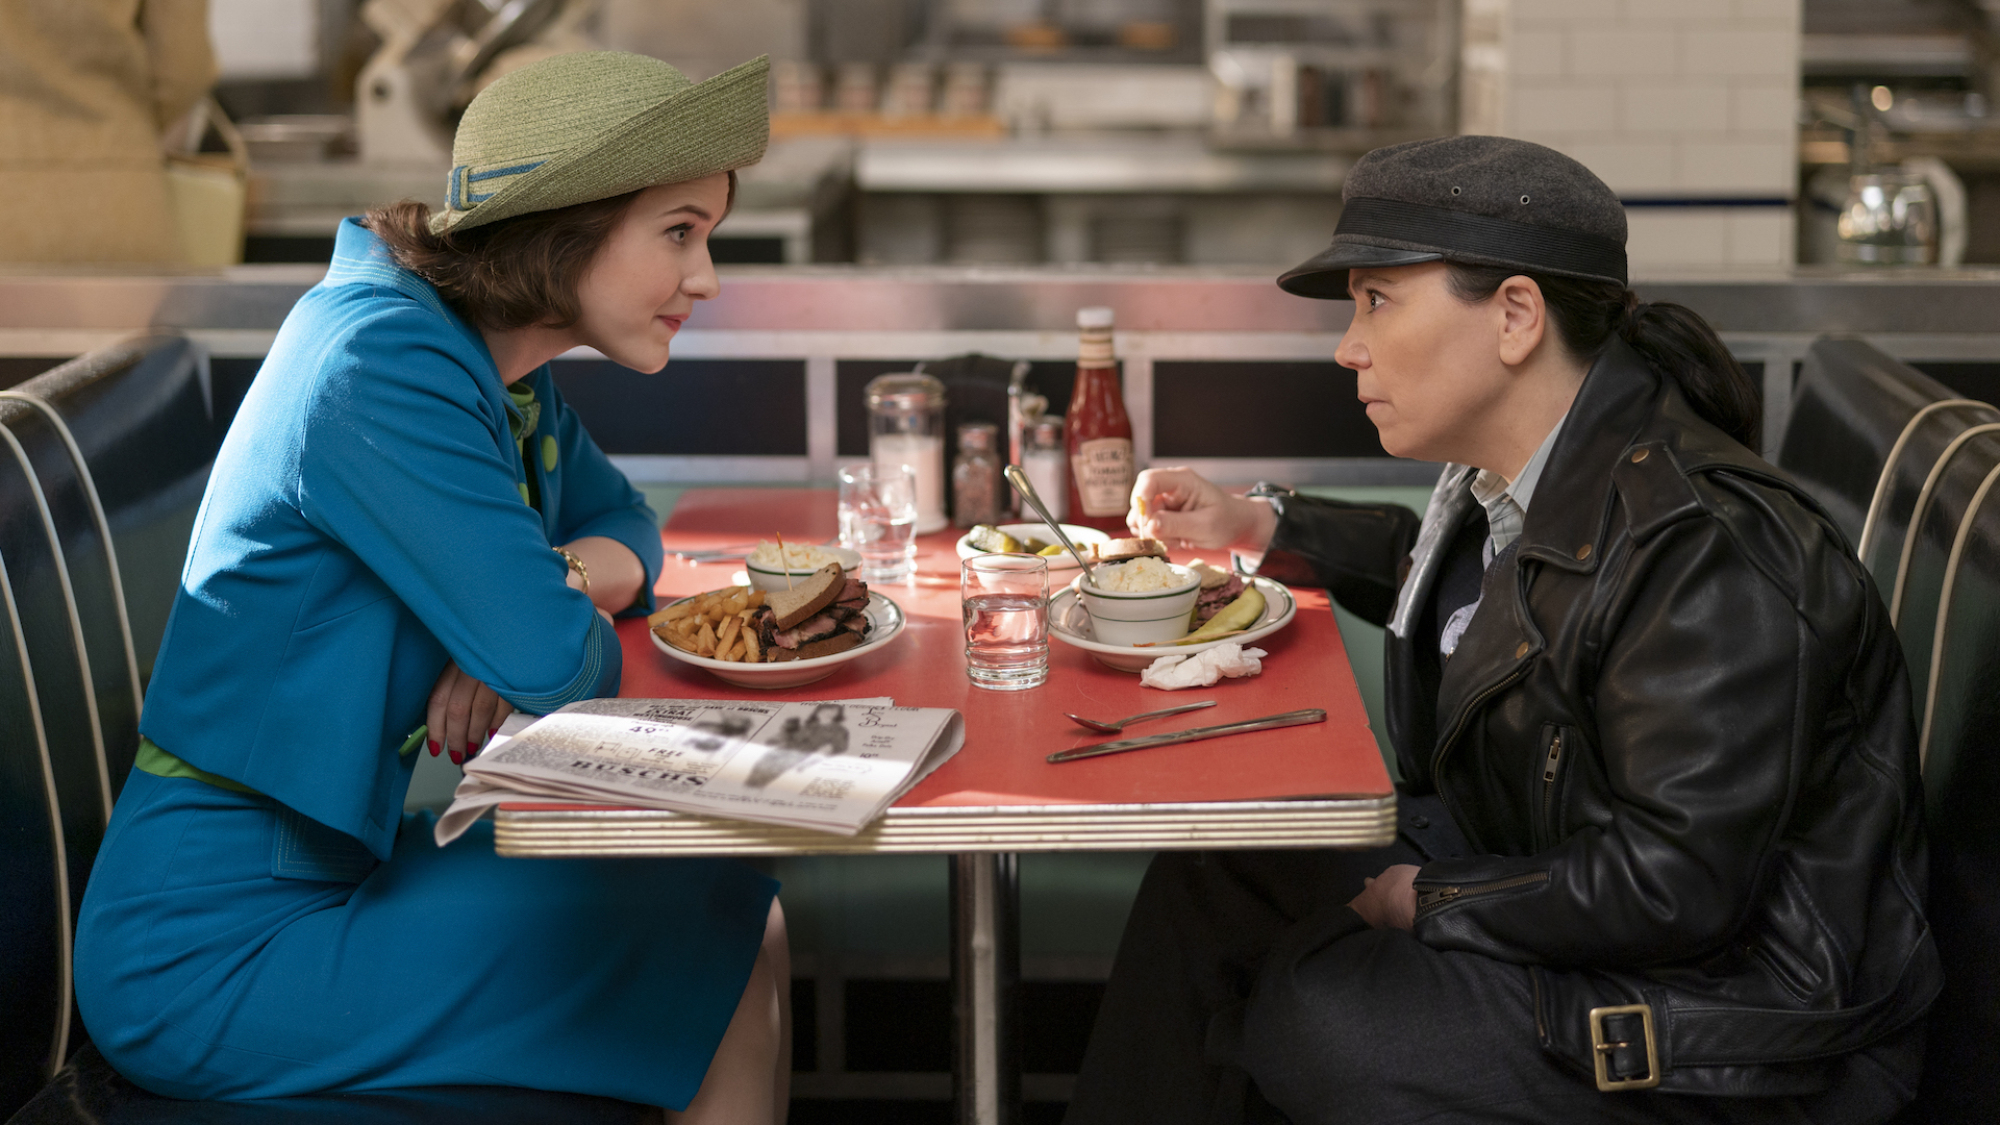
[878, 519]
[1006, 602]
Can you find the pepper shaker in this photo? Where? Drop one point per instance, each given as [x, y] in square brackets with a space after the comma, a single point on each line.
[975, 475]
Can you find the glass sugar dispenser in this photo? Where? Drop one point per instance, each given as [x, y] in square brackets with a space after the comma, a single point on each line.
[906, 427]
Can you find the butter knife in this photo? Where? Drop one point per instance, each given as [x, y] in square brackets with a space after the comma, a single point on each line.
[1194, 734]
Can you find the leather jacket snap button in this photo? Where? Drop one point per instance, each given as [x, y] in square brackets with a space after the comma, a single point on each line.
[1639, 455]
[1583, 552]
[1521, 651]
[1420, 822]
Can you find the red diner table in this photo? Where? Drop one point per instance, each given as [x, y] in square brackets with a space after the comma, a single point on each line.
[1300, 787]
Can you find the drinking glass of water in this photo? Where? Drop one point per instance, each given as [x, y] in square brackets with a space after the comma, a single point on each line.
[1006, 600]
[878, 519]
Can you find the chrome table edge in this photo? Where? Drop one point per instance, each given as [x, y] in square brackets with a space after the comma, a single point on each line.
[1357, 822]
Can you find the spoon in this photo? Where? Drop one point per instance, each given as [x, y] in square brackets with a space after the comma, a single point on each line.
[1026, 488]
[1120, 724]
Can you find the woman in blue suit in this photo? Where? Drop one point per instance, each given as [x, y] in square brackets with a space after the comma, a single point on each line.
[406, 536]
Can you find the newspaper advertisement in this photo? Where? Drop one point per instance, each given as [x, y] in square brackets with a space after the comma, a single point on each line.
[831, 765]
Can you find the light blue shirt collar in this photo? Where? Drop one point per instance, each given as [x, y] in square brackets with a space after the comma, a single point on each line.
[1507, 504]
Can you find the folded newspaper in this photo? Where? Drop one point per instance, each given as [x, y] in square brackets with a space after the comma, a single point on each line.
[832, 766]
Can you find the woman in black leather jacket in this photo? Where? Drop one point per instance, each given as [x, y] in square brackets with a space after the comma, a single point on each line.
[1661, 814]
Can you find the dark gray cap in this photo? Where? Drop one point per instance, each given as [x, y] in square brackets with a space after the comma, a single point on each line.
[1484, 201]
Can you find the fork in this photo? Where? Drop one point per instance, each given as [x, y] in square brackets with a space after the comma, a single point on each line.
[1117, 725]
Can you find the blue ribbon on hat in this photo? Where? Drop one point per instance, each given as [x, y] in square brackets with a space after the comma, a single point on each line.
[458, 189]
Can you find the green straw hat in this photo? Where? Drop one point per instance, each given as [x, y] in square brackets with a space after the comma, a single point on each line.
[594, 124]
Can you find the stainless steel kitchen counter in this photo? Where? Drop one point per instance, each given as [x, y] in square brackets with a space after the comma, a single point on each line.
[956, 299]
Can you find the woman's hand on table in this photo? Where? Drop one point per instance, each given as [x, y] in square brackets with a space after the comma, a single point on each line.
[463, 714]
[1389, 900]
[1180, 508]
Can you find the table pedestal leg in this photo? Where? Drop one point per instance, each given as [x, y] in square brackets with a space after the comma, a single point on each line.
[986, 974]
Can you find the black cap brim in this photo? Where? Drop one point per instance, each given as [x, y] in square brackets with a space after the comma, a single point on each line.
[1324, 275]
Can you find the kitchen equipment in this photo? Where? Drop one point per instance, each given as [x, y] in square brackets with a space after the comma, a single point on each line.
[436, 54]
[1116, 725]
[1022, 485]
[1890, 218]
[1268, 722]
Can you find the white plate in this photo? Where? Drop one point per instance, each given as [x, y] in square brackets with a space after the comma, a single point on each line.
[885, 624]
[1279, 609]
[1023, 531]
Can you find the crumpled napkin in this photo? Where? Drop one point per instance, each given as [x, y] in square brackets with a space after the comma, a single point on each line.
[1172, 673]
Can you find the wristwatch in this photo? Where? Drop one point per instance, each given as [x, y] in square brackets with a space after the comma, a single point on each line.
[575, 564]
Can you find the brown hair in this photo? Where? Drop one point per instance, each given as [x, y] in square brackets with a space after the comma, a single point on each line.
[511, 273]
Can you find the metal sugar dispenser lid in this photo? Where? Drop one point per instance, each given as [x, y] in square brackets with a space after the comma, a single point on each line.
[908, 395]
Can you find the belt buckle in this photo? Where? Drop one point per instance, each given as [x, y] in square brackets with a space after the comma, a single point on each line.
[1601, 1047]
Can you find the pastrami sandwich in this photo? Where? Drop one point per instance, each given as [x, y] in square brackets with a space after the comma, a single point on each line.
[822, 614]
[1218, 588]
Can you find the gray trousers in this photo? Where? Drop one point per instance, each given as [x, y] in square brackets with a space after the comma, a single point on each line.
[1246, 991]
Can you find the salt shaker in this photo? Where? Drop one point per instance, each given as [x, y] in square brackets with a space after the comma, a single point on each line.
[975, 476]
[1043, 461]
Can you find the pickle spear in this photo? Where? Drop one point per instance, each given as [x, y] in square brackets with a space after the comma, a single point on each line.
[1233, 618]
[986, 537]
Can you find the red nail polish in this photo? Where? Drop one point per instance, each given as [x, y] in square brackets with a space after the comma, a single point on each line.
[491, 731]
[471, 748]
[435, 748]
[457, 758]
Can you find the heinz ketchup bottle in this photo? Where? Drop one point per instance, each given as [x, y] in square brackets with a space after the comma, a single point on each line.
[1097, 433]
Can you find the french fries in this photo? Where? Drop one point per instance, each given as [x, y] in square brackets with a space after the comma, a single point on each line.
[715, 624]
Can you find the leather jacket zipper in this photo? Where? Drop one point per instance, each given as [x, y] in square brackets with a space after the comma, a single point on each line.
[1551, 765]
[1455, 891]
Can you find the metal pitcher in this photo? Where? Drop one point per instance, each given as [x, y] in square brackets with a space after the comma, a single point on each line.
[1889, 219]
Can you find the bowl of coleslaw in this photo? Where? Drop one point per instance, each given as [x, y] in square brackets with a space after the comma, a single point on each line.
[770, 569]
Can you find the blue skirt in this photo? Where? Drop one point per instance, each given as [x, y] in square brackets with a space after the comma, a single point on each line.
[230, 948]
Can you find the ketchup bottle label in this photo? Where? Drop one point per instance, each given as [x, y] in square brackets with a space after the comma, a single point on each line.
[1102, 468]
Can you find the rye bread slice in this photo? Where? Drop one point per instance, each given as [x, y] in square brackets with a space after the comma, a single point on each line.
[807, 596]
[1122, 550]
[826, 646]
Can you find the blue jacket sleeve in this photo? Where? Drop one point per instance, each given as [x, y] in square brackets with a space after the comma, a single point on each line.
[403, 462]
[598, 500]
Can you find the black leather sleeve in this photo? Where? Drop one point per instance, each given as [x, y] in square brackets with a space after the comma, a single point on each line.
[1355, 551]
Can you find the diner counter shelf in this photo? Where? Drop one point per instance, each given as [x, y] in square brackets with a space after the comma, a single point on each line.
[1222, 372]
[550, 831]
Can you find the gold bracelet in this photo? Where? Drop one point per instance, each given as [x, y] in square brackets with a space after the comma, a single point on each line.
[576, 564]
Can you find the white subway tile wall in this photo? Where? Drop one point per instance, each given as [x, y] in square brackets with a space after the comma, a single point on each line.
[1670, 101]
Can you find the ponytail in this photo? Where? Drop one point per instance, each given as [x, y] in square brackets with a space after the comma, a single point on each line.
[1674, 340]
